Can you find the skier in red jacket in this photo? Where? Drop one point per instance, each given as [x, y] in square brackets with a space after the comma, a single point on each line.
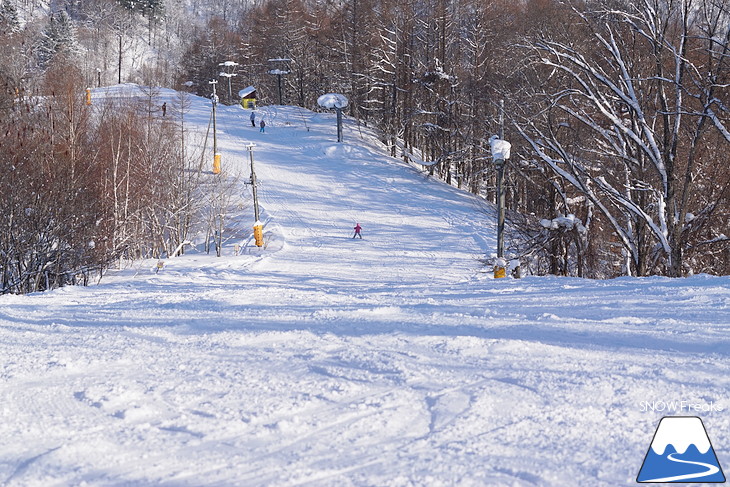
[357, 231]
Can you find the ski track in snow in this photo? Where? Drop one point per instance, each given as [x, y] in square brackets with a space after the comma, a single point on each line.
[327, 361]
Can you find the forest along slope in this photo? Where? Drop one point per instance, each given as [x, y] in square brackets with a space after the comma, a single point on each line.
[320, 360]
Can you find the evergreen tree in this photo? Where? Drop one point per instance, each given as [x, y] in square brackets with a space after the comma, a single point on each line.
[58, 37]
[153, 9]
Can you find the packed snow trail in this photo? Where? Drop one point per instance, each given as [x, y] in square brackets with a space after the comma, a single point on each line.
[318, 190]
[320, 360]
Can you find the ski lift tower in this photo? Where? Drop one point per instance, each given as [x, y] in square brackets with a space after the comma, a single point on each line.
[279, 68]
[230, 67]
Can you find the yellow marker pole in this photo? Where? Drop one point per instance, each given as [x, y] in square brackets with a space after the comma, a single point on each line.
[88, 96]
[500, 268]
[217, 164]
[258, 234]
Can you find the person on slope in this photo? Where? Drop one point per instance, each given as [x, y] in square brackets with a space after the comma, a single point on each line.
[253, 119]
[262, 125]
[357, 231]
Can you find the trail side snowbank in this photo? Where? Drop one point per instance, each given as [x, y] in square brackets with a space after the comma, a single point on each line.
[326, 361]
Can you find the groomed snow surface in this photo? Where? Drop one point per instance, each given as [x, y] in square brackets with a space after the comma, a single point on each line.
[319, 360]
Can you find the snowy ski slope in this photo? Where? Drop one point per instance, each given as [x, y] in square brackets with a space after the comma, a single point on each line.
[325, 361]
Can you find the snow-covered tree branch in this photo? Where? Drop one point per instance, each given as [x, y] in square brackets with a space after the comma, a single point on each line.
[625, 134]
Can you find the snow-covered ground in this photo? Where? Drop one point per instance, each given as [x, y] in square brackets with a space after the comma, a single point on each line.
[395, 360]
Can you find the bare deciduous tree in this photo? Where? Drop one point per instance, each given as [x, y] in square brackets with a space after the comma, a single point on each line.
[620, 128]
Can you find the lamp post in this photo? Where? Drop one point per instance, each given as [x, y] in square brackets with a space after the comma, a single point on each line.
[258, 228]
[500, 207]
[216, 156]
[500, 154]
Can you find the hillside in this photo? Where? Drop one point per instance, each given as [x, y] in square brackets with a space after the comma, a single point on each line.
[323, 360]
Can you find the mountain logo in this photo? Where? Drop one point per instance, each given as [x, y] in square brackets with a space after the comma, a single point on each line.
[680, 452]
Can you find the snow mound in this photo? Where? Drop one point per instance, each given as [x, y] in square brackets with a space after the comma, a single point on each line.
[500, 148]
[333, 100]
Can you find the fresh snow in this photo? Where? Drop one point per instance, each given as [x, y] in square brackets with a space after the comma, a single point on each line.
[320, 360]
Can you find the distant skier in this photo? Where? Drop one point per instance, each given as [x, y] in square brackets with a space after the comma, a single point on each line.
[164, 109]
[357, 231]
[253, 119]
[262, 125]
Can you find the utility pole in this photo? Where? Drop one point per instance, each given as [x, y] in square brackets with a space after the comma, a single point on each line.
[216, 155]
[339, 123]
[258, 228]
[253, 184]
